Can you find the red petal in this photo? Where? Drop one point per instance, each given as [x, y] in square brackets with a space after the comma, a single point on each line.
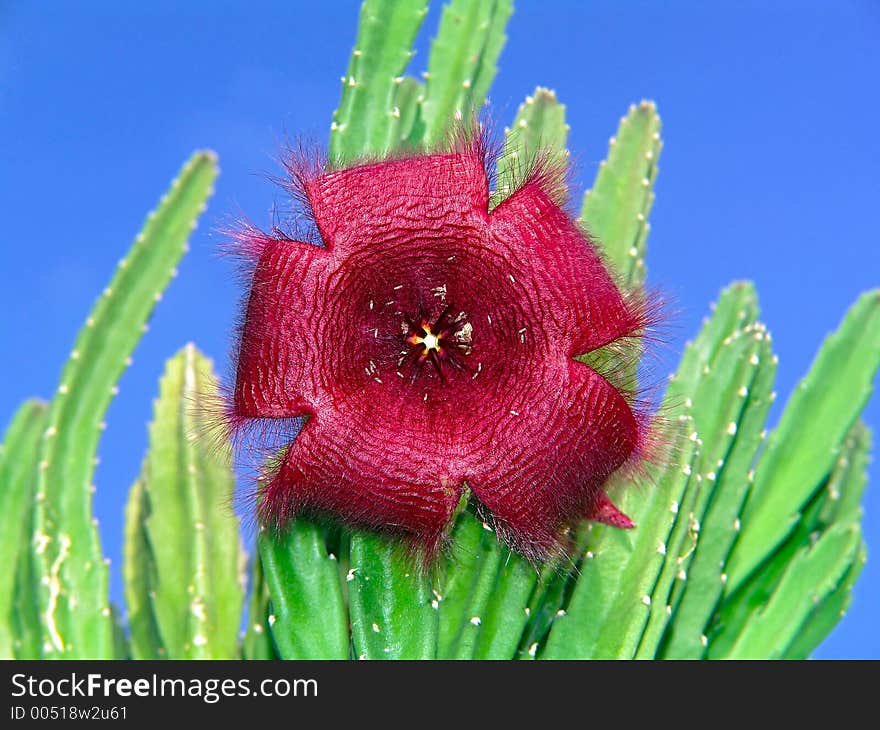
[605, 511]
[279, 355]
[546, 465]
[338, 466]
[374, 206]
[560, 271]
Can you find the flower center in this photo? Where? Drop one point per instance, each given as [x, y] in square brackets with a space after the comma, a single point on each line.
[427, 339]
[440, 341]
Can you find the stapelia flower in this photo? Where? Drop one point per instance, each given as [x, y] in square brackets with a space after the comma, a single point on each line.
[428, 341]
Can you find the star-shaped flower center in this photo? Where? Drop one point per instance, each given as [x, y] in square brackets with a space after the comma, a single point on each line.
[428, 340]
[437, 340]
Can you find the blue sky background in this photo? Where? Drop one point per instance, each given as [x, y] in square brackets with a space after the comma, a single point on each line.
[769, 170]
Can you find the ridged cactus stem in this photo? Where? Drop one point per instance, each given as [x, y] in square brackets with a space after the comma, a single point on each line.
[71, 569]
[18, 461]
[462, 63]
[138, 570]
[190, 551]
[720, 517]
[538, 129]
[365, 122]
[611, 603]
[817, 418]
[258, 642]
[308, 618]
[616, 209]
[390, 601]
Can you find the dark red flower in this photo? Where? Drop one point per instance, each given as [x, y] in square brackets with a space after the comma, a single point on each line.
[429, 342]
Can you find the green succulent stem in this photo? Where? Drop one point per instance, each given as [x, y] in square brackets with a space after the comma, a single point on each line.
[72, 574]
[184, 560]
[462, 64]
[615, 210]
[367, 121]
[800, 452]
[307, 615]
[19, 622]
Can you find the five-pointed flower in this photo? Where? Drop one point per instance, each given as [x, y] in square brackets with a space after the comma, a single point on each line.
[429, 342]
